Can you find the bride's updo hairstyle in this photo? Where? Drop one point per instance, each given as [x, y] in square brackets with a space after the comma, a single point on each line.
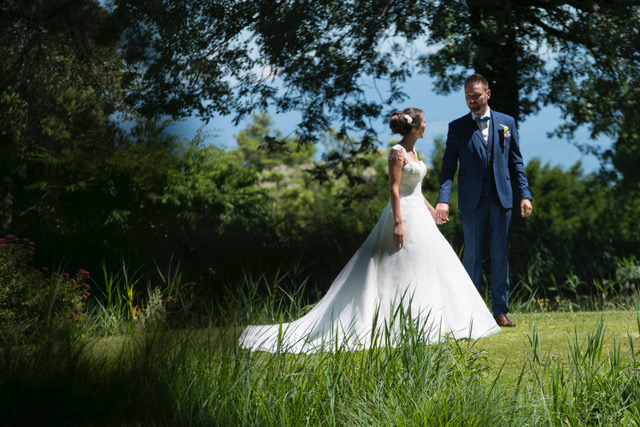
[402, 122]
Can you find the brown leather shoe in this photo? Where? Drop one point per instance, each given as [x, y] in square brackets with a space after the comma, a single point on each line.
[504, 321]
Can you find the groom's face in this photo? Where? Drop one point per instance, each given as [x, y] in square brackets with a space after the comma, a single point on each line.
[477, 97]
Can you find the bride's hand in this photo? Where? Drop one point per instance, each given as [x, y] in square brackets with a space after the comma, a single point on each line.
[439, 221]
[398, 236]
[441, 213]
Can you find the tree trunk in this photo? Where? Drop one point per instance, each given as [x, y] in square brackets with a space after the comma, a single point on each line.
[496, 55]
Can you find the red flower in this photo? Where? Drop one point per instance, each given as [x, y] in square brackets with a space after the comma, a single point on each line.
[82, 274]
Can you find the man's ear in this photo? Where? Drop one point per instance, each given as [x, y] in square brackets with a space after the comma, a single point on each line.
[488, 93]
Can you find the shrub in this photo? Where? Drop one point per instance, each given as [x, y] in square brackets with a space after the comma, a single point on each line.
[34, 302]
[154, 314]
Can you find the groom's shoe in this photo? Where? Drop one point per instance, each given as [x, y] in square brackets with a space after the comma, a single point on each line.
[504, 321]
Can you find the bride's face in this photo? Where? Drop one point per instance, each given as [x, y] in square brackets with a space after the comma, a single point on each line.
[421, 128]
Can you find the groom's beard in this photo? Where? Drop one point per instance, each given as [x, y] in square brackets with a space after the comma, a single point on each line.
[478, 110]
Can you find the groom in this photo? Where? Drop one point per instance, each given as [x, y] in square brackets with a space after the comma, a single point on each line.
[485, 143]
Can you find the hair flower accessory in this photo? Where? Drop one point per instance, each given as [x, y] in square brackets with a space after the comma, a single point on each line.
[408, 118]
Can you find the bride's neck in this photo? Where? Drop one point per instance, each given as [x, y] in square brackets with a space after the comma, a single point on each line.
[408, 143]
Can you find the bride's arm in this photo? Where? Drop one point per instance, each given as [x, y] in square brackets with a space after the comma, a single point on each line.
[396, 162]
[429, 207]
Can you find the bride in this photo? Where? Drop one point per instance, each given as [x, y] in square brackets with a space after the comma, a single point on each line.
[404, 277]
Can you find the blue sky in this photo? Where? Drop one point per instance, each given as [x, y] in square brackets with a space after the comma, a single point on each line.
[439, 111]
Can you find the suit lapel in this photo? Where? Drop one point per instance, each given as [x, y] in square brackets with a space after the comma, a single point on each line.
[494, 137]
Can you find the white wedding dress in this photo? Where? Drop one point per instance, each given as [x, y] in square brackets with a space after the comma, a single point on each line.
[384, 292]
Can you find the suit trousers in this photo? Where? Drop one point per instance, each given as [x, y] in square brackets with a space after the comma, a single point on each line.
[489, 223]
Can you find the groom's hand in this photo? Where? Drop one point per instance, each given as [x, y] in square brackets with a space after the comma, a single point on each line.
[442, 212]
[525, 208]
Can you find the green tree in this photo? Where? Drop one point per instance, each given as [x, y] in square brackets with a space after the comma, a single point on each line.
[318, 57]
[570, 231]
[253, 146]
[68, 66]
[597, 84]
[59, 86]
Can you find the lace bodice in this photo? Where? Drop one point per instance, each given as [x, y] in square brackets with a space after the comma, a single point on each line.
[412, 175]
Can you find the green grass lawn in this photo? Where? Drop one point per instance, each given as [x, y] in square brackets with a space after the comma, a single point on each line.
[200, 377]
[555, 332]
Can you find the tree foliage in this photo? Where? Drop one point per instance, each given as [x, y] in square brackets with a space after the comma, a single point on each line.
[59, 84]
[318, 58]
[596, 84]
[81, 183]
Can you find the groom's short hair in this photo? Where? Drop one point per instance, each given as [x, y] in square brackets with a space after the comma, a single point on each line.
[477, 78]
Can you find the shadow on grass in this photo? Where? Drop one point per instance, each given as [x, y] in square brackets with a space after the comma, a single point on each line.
[79, 382]
[201, 377]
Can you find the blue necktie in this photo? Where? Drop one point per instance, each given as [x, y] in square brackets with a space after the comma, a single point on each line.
[482, 119]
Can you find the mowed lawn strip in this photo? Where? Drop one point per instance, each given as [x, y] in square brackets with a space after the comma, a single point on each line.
[555, 331]
[507, 350]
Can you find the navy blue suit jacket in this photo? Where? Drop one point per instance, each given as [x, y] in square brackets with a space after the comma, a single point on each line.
[465, 145]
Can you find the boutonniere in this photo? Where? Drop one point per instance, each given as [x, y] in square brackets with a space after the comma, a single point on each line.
[504, 135]
[505, 131]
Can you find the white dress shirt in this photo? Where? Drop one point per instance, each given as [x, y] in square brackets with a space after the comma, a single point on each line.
[484, 126]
